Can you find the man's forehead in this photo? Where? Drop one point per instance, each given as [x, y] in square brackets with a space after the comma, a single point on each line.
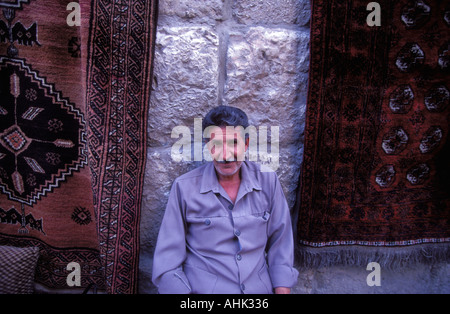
[224, 130]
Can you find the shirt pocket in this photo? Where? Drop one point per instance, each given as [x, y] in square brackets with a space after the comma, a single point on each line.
[206, 233]
[200, 226]
[255, 227]
[264, 215]
[202, 281]
[260, 221]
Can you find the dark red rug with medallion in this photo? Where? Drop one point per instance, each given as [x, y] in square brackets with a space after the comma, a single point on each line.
[375, 183]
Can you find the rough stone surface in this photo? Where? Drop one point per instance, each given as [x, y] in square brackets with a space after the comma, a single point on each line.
[201, 11]
[272, 11]
[186, 71]
[264, 69]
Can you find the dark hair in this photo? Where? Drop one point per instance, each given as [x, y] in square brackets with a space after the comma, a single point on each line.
[225, 116]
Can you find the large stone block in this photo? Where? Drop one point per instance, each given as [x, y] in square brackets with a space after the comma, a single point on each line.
[186, 72]
[272, 11]
[266, 70]
[203, 11]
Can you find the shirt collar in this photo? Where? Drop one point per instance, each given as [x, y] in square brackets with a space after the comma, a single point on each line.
[249, 179]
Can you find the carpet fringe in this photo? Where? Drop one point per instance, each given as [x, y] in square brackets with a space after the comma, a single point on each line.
[387, 257]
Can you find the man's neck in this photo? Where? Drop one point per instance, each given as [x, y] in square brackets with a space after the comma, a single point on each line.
[229, 180]
[230, 184]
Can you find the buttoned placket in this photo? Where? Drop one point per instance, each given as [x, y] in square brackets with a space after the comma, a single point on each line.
[237, 234]
[228, 204]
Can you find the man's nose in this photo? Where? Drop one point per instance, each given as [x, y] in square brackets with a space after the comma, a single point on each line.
[227, 152]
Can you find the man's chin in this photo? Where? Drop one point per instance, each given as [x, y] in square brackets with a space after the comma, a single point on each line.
[227, 169]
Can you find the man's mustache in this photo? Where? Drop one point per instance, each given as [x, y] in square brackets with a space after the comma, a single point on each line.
[224, 161]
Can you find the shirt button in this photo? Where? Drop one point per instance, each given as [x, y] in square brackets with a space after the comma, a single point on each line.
[237, 233]
[230, 207]
[242, 287]
[207, 222]
[238, 257]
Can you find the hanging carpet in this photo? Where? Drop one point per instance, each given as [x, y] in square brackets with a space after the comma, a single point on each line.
[375, 183]
[74, 91]
[45, 183]
[119, 72]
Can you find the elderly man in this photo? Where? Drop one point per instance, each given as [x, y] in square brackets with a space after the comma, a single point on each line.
[227, 226]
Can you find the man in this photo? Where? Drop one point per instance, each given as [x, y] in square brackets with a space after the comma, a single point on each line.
[227, 226]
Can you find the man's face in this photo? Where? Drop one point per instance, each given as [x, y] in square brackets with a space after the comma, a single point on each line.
[227, 147]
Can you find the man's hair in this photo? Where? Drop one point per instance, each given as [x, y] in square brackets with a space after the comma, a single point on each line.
[225, 116]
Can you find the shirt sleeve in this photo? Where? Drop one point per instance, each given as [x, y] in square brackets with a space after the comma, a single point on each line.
[280, 245]
[170, 251]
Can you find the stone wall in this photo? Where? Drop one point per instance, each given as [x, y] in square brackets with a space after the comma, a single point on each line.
[252, 54]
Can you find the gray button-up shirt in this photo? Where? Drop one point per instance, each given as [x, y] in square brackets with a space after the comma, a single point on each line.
[207, 244]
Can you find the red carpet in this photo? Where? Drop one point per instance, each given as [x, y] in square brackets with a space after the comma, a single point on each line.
[376, 164]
